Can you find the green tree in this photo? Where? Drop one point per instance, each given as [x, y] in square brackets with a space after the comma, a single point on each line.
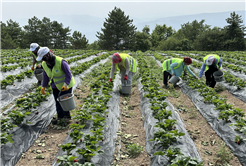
[118, 32]
[7, 42]
[192, 30]
[59, 35]
[235, 33]
[161, 33]
[143, 42]
[171, 43]
[32, 31]
[45, 32]
[14, 31]
[93, 46]
[211, 40]
[78, 41]
[3, 33]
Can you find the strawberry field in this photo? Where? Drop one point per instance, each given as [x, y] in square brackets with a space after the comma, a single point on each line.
[98, 133]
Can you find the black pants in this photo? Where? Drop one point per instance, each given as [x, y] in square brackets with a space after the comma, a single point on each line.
[209, 76]
[166, 77]
[59, 110]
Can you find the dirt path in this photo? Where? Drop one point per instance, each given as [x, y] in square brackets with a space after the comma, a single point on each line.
[209, 145]
[131, 131]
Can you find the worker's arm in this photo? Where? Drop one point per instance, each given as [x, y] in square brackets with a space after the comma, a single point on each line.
[190, 71]
[112, 70]
[202, 70]
[127, 63]
[172, 66]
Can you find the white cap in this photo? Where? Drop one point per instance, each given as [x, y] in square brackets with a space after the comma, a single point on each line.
[33, 46]
[210, 60]
[41, 52]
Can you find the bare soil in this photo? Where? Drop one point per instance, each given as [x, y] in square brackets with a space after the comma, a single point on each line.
[207, 142]
[131, 131]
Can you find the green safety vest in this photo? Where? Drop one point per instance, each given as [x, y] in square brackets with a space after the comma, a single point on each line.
[216, 57]
[57, 74]
[133, 64]
[166, 64]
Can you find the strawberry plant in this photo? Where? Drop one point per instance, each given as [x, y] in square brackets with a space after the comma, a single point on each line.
[238, 139]
[5, 138]
[181, 160]
[75, 135]
[18, 116]
[68, 160]
[68, 147]
[89, 152]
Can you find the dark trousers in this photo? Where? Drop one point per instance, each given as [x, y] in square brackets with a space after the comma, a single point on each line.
[166, 77]
[209, 77]
[59, 110]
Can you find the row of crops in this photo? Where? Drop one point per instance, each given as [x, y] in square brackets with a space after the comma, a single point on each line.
[91, 136]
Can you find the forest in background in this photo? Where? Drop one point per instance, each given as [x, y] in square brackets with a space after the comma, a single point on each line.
[119, 33]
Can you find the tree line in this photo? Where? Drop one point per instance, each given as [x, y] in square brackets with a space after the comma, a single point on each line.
[119, 33]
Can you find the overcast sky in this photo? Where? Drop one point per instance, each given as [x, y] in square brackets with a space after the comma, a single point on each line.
[20, 9]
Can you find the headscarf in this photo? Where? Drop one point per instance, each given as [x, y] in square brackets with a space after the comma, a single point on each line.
[116, 58]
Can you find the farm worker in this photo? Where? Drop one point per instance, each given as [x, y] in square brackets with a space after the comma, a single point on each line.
[57, 72]
[211, 64]
[175, 66]
[127, 66]
[34, 47]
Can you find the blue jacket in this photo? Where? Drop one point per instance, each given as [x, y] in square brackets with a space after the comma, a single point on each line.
[177, 72]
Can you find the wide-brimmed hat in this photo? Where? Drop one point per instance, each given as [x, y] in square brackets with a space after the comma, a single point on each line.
[210, 60]
[41, 52]
[33, 46]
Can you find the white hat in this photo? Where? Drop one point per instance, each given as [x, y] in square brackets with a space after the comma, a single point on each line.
[33, 46]
[41, 52]
[210, 60]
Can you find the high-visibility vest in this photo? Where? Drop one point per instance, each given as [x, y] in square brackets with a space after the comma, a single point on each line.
[57, 74]
[216, 57]
[166, 64]
[133, 64]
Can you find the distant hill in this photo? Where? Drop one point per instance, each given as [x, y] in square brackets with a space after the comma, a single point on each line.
[89, 25]
[213, 19]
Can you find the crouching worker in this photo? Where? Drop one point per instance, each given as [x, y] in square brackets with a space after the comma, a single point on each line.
[175, 66]
[57, 72]
[34, 47]
[127, 66]
[211, 64]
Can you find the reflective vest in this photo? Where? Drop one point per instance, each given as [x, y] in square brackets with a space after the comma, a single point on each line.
[57, 74]
[216, 57]
[133, 64]
[166, 64]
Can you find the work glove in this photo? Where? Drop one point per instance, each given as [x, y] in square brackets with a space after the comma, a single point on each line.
[32, 68]
[125, 78]
[110, 80]
[65, 87]
[42, 90]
